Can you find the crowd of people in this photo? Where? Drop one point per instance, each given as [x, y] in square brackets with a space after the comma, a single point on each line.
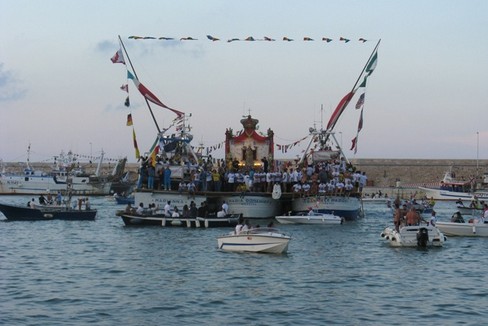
[334, 177]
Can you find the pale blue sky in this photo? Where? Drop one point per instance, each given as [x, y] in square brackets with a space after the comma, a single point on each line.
[426, 99]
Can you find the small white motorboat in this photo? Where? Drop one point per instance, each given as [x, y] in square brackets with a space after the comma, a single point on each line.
[464, 229]
[414, 236]
[312, 217]
[264, 240]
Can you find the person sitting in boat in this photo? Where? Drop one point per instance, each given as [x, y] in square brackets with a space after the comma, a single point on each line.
[310, 211]
[167, 209]
[457, 218]
[246, 226]
[432, 218]
[459, 203]
[176, 213]
[225, 208]
[239, 226]
[87, 204]
[140, 209]
[412, 217]
[42, 200]
[31, 203]
[129, 209]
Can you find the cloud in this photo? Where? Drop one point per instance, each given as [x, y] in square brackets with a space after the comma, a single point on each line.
[11, 88]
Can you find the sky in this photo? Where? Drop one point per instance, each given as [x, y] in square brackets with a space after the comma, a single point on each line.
[426, 99]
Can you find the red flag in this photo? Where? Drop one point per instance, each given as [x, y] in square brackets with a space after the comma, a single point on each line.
[353, 146]
[118, 57]
[149, 95]
[339, 109]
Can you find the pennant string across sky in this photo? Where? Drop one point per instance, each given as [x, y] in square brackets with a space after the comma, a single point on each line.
[245, 39]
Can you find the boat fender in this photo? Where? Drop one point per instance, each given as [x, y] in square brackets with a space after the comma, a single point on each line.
[188, 223]
[206, 223]
[48, 215]
[163, 222]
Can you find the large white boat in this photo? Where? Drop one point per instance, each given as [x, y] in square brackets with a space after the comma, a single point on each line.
[262, 240]
[312, 217]
[414, 236]
[64, 171]
[466, 229]
[451, 188]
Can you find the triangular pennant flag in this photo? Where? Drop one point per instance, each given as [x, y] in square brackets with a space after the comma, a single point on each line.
[118, 57]
[127, 102]
[129, 120]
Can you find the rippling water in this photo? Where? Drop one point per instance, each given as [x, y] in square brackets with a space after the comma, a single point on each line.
[61, 272]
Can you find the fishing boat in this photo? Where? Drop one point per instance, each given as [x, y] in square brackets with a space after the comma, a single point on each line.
[450, 188]
[32, 181]
[414, 236]
[347, 204]
[39, 213]
[259, 240]
[312, 217]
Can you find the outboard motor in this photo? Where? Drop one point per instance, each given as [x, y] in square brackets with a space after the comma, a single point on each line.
[422, 237]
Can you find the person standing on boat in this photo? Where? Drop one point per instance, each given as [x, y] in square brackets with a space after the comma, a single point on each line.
[167, 178]
[59, 198]
[140, 209]
[151, 173]
[42, 200]
[413, 217]
[397, 217]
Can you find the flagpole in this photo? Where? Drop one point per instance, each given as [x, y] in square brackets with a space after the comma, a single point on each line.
[135, 74]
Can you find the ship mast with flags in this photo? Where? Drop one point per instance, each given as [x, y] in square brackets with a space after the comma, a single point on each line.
[179, 141]
[320, 138]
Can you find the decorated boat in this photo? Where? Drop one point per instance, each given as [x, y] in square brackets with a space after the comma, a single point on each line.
[212, 221]
[260, 240]
[312, 217]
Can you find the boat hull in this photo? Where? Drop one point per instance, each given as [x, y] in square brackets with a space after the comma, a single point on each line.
[321, 219]
[273, 243]
[253, 205]
[160, 220]
[463, 229]
[349, 208]
[408, 236]
[441, 194]
[34, 184]
[17, 213]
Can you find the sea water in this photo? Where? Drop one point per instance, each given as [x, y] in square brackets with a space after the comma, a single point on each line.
[102, 272]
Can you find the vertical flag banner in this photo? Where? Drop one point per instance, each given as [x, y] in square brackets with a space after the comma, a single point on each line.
[136, 148]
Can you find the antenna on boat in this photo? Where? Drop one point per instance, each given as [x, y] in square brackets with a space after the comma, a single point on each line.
[135, 74]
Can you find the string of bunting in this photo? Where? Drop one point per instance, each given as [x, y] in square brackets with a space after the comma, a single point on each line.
[285, 148]
[246, 39]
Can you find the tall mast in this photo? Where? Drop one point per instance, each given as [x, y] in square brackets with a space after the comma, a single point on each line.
[135, 74]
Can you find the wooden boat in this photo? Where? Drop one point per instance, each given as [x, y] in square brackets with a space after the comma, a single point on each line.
[262, 240]
[211, 221]
[21, 213]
